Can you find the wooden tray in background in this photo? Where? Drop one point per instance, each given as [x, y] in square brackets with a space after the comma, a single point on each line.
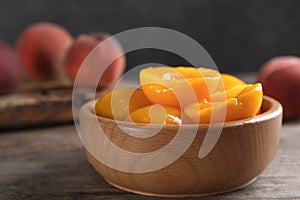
[35, 106]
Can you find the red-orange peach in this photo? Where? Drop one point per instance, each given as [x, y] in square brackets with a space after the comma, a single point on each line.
[280, 78]
[81, 48]
[10, 68]
[42, 47]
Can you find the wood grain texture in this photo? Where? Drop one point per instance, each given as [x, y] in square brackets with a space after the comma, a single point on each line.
[242, 152]
[50, 163]
[36, 105]
[35, 108]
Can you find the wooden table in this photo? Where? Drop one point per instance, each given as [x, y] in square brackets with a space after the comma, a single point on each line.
[49, 163]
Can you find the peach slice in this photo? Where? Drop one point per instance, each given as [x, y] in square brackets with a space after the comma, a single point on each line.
[230, 81]
[155, 114]
[177, 86]
[229, 93]
[117, 104]
[245, 104]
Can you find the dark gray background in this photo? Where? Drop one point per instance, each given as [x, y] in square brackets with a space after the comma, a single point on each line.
[239, 35]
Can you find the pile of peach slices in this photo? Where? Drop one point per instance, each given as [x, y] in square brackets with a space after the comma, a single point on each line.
[178, 95]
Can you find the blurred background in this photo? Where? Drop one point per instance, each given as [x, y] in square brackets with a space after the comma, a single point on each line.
[239, 35]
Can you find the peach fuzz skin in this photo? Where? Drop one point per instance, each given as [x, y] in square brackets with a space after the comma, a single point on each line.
[10, 69]
[280, 78]
[81, 48]
[42, 47]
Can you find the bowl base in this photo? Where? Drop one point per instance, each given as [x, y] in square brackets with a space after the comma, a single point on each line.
[180, 195]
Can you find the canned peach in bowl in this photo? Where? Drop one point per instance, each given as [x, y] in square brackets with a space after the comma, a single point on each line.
[145, 143]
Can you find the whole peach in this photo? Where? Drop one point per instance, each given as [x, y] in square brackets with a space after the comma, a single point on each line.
[280, 78]
[10, 68]
[42, 47]
[79, 51]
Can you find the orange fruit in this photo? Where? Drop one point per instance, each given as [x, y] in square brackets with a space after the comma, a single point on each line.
[168, 86]
[118, 103]
[201, 92]
[155, 114]
[245, 104]
[230, 81]
[229, 93]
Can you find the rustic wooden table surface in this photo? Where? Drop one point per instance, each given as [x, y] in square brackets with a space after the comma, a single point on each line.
[49, 163]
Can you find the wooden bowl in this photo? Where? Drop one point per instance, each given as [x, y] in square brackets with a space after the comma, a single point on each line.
[243, 150]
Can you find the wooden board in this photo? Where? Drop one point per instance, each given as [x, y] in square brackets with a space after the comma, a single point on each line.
[37, 108]
[36, 105]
